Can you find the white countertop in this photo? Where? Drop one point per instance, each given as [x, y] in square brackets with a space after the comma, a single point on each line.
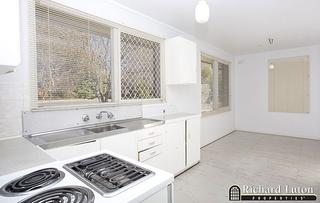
[18, 154]
[168, 118]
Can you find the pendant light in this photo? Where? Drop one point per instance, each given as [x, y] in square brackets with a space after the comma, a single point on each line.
[202, 12]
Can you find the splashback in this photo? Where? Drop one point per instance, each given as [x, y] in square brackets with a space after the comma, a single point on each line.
[43, 121]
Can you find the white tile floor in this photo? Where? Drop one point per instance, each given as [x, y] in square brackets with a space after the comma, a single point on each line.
[244, 158]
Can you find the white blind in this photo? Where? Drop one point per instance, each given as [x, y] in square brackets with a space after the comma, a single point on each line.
[289, 85]
[73, 58]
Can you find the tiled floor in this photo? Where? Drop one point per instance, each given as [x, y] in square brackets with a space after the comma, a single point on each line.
[244, 158]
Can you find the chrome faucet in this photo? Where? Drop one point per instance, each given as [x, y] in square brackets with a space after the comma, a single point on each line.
[85, 117]
[109, 114]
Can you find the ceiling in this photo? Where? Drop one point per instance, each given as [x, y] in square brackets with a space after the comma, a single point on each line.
[241, 26]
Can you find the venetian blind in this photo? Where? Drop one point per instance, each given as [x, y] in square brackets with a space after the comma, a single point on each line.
[73, 58]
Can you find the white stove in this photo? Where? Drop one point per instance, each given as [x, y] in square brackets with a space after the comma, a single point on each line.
[94, 178]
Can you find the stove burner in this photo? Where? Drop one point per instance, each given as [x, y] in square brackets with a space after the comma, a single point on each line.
[67, 194]
[107, 174]
[32, 181]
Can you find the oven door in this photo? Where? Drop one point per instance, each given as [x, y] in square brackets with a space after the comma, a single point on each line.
[165, 195]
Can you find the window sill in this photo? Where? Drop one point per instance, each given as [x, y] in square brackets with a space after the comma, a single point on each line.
[97, 105]
[215, 112]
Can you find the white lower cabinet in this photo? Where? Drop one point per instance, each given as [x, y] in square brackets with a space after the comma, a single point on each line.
[193, 141]
[71, 151]
[170, 155]
[124, 144]
[174, 145]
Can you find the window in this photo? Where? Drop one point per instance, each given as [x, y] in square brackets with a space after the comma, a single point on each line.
[214, 85]
[75, 60]
[289, 85]
[223, 85]
[207, 86]
[140, 68]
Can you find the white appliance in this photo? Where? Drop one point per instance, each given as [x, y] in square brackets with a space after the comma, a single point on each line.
[55, 178]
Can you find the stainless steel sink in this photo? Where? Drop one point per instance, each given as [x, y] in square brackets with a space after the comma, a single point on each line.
[59, 136]
[106, 128]
[86, 133]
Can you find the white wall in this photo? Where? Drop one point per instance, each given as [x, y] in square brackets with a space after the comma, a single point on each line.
[16, 86]
[252, 96]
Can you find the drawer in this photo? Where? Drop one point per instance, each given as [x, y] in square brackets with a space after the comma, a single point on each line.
[148, 154]
[149, 142]
[150, 132]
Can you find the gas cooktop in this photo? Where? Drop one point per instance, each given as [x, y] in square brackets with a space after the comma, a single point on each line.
[107, 174]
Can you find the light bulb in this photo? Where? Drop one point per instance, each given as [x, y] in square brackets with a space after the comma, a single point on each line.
[271, 66]
[202, 12]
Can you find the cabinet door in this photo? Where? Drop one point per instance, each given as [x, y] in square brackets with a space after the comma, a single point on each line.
[10, 34]
[71, 151]
[174, 147]
[180, 61]
[193, 141]
[124, 144]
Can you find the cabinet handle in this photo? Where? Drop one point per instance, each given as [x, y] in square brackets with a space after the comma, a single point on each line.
[153, 153]
[86, 142]
[152, 143]
[152, 133]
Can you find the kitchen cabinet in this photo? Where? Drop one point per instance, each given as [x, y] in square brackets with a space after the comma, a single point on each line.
[71, 151]
[151, 147]
[9, 35]
[124, 144]
[170, 155]
[180, 61]
[193, 141]
[174, 142]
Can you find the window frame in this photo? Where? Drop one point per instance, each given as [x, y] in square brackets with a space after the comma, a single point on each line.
[162, 79]
[116, 30]
[215, 62]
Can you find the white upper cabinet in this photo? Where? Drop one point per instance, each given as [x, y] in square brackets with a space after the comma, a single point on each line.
[10, 34]
[180, 61]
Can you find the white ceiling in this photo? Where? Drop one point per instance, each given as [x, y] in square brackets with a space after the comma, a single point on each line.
[241, 26]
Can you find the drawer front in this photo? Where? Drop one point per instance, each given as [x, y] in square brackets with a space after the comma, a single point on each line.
[149, 142]
[150, 132]
[148, 154]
